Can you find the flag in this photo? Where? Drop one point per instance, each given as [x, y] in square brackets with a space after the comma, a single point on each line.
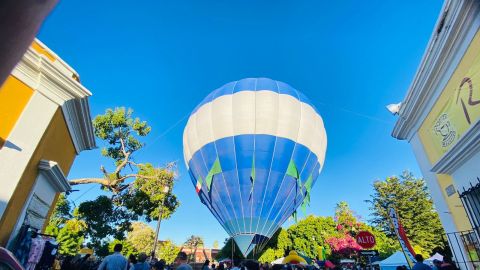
[294, 215]
[198, 187]
[292, 170]
[402, 238]
[216, 169]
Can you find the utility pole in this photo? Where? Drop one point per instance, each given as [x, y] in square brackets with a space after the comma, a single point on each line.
[160, 211]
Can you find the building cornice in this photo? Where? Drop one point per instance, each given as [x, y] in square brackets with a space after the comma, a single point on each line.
[461, 152]
[54, 175]
[56, 81]
[444, 47]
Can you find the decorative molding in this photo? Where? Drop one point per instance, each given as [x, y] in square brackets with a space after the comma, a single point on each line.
[461, 152]
[443, 53]
[56, 81]
[54, 175]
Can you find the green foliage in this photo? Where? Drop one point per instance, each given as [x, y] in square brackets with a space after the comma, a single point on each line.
[143, 198]
[126, 250]
[193, 242]
[312, 236]
[117, 125]
[311, 233]
[167, 251]
[415, 208]
[141, 237]
[104, 219]
[226, 251]
[215, 244]
[68, 230]
[60, 214]
[137, 189]
[71, 237]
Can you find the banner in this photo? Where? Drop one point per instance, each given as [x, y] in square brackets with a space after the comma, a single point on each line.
[402, 238]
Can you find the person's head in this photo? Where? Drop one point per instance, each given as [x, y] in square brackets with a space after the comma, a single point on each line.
[419, 258]
[142, 257]
[213, 266]
[447, 259]
[206, 263]
[181, 258]
[132, 258]
[159, 265]
[399, 267]
[118, 248]
[437, 263]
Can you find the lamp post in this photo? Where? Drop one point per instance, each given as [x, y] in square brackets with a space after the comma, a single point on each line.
[160, 210]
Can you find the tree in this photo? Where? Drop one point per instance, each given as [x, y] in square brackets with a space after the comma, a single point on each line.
[229, 248]
[136, 189]
[126, 250]
[311, 233]
[167, 251]
[215, 244]
[192, 243]
[68, 230]
[71, 237]
[342, 243]
[410, 197]
[141, 237]
[276, 247]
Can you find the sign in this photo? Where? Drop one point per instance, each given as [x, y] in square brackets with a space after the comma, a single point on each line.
[369, 253]
[365, 239]
[457, 108]
[402, 238]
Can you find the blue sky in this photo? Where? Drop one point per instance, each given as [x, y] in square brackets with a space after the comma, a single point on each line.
[161, 58]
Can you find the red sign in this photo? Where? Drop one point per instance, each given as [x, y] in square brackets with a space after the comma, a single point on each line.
[366, 239]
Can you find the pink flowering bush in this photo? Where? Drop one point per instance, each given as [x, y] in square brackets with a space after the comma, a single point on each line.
[345, 245]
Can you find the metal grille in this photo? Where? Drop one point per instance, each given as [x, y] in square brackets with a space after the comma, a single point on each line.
[470, 241]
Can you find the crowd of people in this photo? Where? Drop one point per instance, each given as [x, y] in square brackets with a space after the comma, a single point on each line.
[445, 264]
[117, 261]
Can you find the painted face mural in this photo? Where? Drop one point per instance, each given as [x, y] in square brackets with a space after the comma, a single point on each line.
[254, 148]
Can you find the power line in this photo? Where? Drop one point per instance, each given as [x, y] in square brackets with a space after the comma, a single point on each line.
[355, 113]
[167, 130]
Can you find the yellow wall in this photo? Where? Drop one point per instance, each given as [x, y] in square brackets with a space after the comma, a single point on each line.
[454, 203]
[468, 65]
[55, 145]
[41, 50]
[14, 96]
[430, 141]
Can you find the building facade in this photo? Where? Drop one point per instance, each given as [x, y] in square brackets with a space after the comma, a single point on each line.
[201, 254]
[440, 116]
[45, 123]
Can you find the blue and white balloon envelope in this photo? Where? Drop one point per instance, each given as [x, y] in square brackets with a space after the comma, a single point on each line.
[254, 148]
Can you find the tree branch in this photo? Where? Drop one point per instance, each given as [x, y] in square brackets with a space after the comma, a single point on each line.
[101, 181]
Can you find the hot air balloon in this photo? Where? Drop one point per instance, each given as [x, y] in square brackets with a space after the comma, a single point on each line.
[254, 148]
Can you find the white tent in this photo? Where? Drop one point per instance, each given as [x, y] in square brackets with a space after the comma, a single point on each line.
[435, 256]
[278, 261]
[391, 263]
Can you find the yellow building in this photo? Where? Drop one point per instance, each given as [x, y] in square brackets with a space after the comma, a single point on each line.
[440, 116]
[44, 124]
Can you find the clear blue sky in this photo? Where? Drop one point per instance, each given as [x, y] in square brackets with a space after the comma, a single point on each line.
[161, 58]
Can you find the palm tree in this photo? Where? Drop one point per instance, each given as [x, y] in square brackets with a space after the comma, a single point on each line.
[193, 242]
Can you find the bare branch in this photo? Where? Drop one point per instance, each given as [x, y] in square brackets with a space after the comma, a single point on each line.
[104, 171]
[122, 165]
[101, 181]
